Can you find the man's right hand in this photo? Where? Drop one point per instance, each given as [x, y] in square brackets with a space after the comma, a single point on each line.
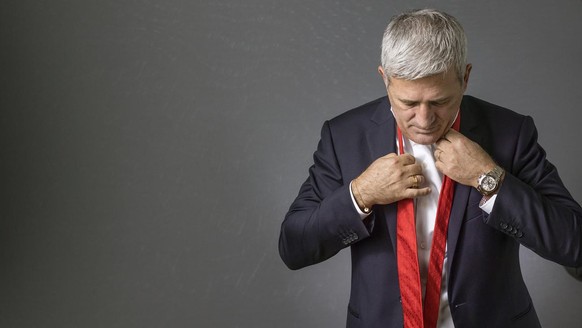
[389, 179]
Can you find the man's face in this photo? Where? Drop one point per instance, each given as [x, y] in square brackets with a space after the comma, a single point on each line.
[425, 108]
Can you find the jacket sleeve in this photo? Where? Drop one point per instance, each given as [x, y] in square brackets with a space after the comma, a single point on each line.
[534, 207]
[322, 220]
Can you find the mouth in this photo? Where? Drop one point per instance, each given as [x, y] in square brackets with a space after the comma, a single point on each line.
[430, 130]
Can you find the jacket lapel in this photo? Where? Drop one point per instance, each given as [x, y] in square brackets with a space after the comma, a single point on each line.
[470, 128]
[381, 137]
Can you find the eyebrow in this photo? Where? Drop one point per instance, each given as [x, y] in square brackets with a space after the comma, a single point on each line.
[439, 100]
[408, 101]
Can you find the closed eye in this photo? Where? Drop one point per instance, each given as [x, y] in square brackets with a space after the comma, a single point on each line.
[410, 103]
[438, 103]
[441, 102]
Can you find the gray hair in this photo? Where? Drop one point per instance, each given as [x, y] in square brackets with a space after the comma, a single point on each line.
[422, 43]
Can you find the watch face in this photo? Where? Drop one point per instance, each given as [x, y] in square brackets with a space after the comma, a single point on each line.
[488, 183]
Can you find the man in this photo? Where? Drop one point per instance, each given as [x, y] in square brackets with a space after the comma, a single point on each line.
[428, 161]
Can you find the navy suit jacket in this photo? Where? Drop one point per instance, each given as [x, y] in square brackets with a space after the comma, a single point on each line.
[485, 284]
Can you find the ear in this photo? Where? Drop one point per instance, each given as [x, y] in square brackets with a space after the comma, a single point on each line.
[466, 77]
[383, 75]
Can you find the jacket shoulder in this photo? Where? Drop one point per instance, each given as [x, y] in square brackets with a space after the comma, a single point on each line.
[489, 112]
[377, 110]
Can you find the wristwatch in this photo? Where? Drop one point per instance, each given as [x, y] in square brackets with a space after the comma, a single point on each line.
[489, 183]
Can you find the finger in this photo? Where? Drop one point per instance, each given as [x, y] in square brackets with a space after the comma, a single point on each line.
[418, 180]
[413, 193]
[390, 155]
[444, 149]
[411, 169]
[452, 133]
[440, 167]
[442, 142]
[438, 154]
[415, 181]
[407, 159]
[449, 134]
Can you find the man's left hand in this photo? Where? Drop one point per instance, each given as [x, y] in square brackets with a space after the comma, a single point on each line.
[461, 159]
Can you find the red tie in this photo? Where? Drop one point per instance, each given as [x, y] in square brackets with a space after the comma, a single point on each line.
[407, 255]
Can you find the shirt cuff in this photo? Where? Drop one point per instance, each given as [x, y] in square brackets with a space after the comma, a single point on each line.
[487, 206]
[362, 214]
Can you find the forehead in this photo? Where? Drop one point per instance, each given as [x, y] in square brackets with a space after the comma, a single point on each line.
[430, 87]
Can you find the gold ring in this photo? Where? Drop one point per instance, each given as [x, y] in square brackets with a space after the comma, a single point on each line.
[415, 184]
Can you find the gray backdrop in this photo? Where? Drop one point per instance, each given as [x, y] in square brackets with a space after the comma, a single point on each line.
[150, 149]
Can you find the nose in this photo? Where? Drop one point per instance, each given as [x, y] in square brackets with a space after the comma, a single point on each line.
[425, 116]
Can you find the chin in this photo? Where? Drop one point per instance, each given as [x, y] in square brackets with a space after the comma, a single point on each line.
[425, 139]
